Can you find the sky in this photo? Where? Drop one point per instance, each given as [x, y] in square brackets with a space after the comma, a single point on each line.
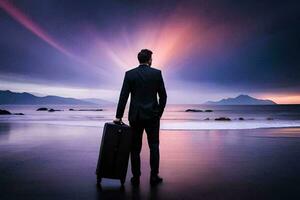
[207, 50]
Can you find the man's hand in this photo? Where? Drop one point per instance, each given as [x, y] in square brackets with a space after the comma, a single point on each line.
[118, 121]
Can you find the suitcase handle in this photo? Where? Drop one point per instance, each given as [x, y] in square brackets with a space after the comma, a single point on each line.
[119, 122]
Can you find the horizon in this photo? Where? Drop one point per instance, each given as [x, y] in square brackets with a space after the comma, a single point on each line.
[115, 102]
[82, 49]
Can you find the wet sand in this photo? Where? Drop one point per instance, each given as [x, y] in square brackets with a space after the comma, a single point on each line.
[39, 161]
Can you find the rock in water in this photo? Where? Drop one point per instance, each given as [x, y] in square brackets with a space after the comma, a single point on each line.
[42, 109]
[208, 110]
[90, 110]
[18, 113]
[4, 112]
[223, 119]
[71, 109]
[193, 110]
[53, 110]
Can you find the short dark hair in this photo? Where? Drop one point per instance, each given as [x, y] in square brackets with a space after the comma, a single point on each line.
[144, 55]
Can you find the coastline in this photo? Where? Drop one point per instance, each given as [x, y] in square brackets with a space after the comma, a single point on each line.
[100, 124]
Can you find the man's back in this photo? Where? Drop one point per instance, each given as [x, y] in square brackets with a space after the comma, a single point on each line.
[144, 83]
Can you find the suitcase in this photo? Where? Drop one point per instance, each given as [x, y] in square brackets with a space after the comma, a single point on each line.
[114, 152]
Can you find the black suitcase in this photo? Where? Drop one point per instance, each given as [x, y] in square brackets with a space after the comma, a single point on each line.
[114, 152]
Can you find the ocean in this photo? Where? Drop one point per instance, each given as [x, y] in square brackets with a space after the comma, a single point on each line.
[174, 118]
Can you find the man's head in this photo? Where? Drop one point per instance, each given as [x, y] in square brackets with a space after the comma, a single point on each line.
[145, 57]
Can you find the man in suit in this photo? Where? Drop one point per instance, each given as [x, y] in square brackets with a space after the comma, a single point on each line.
[143, 83]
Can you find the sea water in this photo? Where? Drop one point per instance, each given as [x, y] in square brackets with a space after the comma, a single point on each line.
[175, 117]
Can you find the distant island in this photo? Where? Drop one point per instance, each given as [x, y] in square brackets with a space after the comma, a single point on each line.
[241, 100]
[9, 97]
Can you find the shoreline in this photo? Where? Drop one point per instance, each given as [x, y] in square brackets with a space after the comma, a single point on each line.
[162, 129]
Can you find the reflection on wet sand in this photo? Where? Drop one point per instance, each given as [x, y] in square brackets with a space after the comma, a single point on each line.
[40, 161]
[4, 131]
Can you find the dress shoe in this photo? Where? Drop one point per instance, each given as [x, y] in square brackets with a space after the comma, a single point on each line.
[135, 181]
[154, 180]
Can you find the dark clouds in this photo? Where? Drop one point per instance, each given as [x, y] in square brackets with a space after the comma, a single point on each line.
[267, 59]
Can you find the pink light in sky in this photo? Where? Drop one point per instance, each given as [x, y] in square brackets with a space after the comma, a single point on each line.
[170, 40]
[281, 98]
[20, 17]
[173, 40]
[30, 25]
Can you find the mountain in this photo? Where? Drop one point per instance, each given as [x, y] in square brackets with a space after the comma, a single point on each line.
[8, 97]
[241, 100]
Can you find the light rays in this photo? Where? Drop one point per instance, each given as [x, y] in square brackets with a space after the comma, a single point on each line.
[169, 40]
[16, 14]
[29, 24]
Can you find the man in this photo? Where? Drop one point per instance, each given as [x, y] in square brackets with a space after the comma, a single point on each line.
[143, 83]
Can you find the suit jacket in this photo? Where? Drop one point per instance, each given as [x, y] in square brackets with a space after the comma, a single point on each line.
[143, 83]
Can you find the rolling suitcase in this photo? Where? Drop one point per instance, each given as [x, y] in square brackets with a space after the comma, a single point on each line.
[114, 152]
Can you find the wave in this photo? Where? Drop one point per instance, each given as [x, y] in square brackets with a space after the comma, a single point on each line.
[175, 125]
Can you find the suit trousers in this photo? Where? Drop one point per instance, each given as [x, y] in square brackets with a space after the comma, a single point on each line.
[152, 130]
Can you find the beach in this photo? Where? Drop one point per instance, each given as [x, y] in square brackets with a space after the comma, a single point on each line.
[219, 80]
[47, 161]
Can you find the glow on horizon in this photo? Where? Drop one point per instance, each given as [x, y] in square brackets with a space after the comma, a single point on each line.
[282, 98]
[175, 96]
[72, 92]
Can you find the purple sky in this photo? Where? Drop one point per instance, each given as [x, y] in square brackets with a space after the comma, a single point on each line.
[206, 49]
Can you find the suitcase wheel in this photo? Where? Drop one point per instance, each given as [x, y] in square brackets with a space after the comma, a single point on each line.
[99, 179]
